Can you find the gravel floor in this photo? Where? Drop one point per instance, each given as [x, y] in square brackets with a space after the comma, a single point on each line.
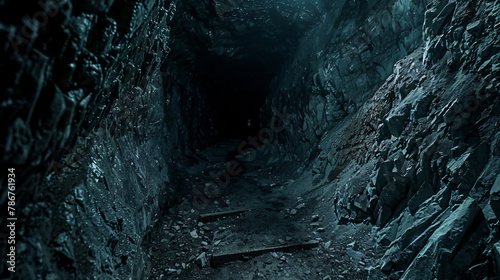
[180, 246]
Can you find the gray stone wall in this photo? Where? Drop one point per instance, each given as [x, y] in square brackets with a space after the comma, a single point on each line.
[398, 111]
[92, 131]
[334, 70]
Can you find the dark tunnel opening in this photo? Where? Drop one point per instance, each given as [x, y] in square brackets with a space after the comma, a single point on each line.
[232, 54]
[235, 91]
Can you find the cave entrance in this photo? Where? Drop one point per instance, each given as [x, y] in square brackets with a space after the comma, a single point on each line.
[236, 90]
[232, 50]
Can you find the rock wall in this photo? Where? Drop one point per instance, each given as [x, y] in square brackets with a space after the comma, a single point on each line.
[400, 119]
[89, 220]
[63, 64]
[334, 70]
[93, 131]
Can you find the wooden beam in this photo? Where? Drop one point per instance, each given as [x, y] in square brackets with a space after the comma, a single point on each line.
[210, 217]
[219, 259]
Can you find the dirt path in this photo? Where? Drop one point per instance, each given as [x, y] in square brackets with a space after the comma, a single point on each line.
[182, 244]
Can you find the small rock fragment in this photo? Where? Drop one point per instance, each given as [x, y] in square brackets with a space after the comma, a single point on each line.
[171, 271]
[202, 260]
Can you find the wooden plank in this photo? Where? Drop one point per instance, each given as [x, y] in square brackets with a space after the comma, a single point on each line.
[210, 217]
[219, 259]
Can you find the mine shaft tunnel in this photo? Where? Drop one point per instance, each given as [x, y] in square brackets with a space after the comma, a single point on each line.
[232, 51]
[235, 92]
[122, 122]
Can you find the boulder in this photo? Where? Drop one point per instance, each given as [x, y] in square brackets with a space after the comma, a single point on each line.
[437, 21]
[475, 28]
[433, 261]
[496, 253]
[495, 197]
[383, 132]
[423, 193]
[202, 260]
[469, 165]
[392, 194]
[381, 176]
[396, 121]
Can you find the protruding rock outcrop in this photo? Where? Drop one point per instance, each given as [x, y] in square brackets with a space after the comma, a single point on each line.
[417, 156]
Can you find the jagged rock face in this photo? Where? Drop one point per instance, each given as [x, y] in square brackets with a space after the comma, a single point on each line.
[340, 67]
[417, 155]
[63, 65]
[79, 79]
